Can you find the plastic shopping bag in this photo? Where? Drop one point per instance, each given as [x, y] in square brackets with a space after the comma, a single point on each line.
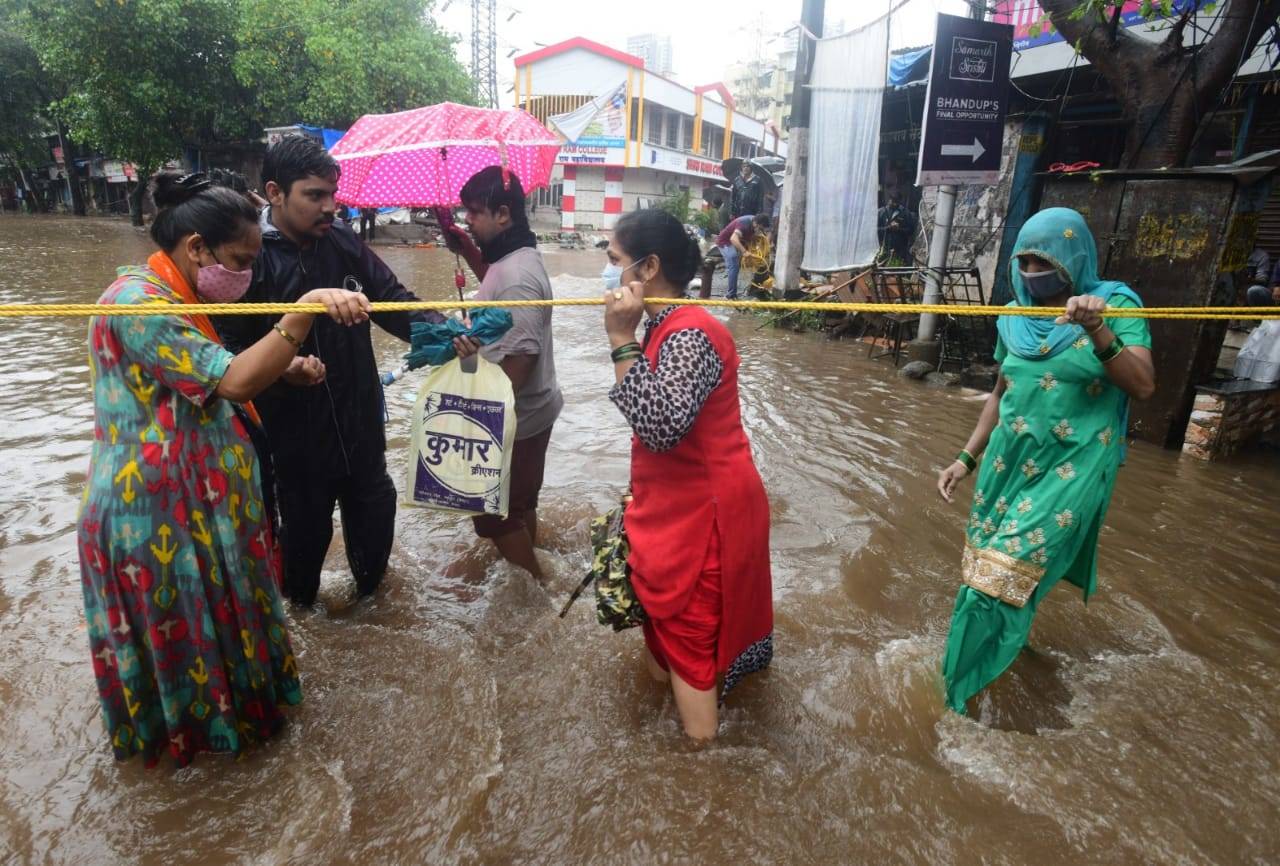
[464, 427]
[1259, 357]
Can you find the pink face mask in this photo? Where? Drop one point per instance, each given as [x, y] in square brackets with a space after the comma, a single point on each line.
[219, 285]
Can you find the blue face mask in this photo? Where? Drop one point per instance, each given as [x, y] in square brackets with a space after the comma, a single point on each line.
[1043, 285]
[612, 275]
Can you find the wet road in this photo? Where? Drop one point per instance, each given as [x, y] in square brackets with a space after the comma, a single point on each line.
[455, 719]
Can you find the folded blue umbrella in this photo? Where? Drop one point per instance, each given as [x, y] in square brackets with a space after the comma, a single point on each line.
[431, 343]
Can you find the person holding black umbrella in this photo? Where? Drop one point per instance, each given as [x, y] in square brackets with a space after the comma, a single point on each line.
[748, 193]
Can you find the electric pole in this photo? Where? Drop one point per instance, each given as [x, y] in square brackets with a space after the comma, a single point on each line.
[795, 192]
[925, 347]
[484, 51]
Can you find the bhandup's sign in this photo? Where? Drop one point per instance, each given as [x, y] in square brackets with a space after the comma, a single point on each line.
[966, 102]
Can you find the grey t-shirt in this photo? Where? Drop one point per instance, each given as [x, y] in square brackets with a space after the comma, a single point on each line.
[521, 276]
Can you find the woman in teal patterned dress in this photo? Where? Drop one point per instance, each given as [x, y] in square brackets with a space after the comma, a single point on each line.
[178, 564]
[1053, 433]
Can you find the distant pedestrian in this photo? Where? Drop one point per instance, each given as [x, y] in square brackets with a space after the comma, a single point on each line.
[748, 193]
[733, 240]
[896, 227]
[368, 223]
[698, 520]
[1054, 435]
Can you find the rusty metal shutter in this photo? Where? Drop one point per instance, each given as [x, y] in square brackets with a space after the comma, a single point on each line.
[1266, 136]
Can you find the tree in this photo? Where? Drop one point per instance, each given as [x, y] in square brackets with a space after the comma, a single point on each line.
[327, 63]
[141, 80]
[23, 99]
[677, 202]
[1165, 88]
[148, 75]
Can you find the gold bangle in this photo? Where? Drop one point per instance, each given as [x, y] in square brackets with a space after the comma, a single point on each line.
[282, 331]
[1101, 325]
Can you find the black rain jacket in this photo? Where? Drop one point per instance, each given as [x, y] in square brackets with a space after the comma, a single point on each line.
[334, 428]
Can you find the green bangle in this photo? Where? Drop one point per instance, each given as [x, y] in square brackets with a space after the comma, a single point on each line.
[1110, 353]
[967, 459]
[626, 352]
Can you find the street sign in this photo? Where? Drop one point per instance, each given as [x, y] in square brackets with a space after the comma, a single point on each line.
[966, 102]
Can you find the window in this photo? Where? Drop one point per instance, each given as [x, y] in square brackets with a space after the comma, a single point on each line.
[549, 196]
[712, 140]
[686, 137]
[671, 130]
[652, 124]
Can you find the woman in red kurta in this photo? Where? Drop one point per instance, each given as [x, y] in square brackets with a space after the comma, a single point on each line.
[698, 523]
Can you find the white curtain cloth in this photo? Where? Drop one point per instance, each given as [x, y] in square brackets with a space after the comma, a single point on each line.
[847, 86]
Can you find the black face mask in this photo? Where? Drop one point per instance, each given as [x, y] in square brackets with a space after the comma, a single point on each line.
[1043, 285]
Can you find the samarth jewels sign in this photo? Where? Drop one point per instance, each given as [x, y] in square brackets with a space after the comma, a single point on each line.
[965, 103]
[973, 59]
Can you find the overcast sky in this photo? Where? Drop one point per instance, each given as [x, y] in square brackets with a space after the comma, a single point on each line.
[706, 36]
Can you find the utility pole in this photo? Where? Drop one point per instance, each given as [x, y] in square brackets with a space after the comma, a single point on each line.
[795, 192]
[484, 51]
[925, 347]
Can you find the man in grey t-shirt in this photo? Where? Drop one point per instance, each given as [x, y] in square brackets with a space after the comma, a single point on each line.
[510, 268]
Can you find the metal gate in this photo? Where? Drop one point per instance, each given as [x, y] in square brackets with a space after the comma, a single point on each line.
[1169, 235]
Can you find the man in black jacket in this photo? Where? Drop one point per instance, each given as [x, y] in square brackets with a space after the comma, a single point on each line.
[748, 194]
[324, 418]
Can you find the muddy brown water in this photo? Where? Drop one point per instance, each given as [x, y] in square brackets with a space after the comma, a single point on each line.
[455, 719]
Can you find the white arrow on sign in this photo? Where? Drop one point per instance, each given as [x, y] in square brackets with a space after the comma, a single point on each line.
[974, 150]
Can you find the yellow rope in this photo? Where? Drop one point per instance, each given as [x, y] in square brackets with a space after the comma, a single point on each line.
[12, 311]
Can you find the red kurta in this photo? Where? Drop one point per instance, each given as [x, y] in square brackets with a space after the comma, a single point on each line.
[707, 484]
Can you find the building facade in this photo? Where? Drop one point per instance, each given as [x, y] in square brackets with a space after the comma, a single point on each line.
[654, 50]
[653, 139]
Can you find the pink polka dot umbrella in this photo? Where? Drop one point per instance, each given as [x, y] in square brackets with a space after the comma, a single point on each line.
[422, 157]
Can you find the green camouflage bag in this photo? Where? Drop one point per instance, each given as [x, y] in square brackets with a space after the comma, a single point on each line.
[616, 602]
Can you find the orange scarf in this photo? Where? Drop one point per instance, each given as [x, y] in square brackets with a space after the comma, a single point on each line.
[166, 270]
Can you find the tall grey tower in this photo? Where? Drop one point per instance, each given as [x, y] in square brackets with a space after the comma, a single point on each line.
[484, 52]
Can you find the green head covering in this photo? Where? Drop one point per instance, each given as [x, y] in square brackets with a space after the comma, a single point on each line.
[1061, 237]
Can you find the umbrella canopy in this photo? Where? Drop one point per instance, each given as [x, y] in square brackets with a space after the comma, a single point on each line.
[422, 157]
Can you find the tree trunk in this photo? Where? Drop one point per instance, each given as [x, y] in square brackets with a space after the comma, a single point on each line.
[1162, 116]
[136, 195]
[68, 156]
[1165, 89]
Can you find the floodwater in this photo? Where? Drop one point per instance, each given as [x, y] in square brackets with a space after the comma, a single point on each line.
[455, 719]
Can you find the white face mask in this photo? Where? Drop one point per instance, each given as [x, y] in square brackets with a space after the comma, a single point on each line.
[612, 275]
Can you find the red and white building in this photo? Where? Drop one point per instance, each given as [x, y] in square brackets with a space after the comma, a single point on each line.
[646, 138]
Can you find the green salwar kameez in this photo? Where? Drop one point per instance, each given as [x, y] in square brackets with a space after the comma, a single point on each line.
[1040, 498]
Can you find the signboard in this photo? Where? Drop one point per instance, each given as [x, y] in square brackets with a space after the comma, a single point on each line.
[579, 154]
[966, 102]
[1032, 28]
[676, 162]
[117, 171]
[609, 127]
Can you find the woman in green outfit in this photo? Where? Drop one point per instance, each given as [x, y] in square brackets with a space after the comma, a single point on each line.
[1053, 434]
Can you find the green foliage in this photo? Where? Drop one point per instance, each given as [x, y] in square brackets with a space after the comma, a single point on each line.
[678, 205]
[141, 79]
[141, 76]
[328, 63]
[707, 220]
[22, 102]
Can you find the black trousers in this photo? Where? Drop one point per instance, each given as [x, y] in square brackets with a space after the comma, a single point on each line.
[367, 502]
